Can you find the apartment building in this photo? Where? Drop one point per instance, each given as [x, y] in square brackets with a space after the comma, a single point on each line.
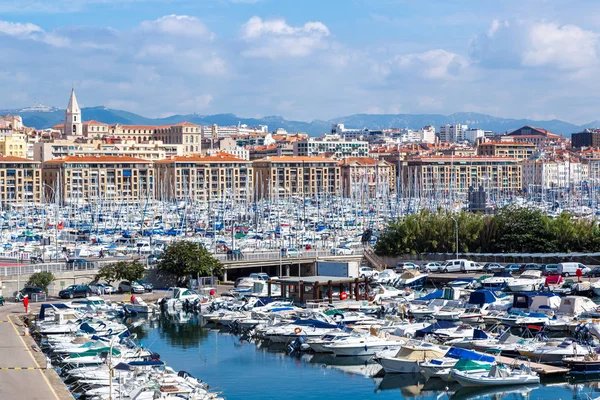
[442, 174]
[544, 174]
[518, 150]
[81, 179]
[335, 147]
[13, 145]
[185, 133]
[20, 180]
[281, 176]
[367, 178]
[203, 178]
[150, 150]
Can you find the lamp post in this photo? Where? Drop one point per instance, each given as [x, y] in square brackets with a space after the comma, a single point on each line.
[456, 228]
[55, 219]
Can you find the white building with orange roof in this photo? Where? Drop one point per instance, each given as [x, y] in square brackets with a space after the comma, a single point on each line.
[20, 180]
[366, 178]
[429, 175]
[82, 179]
[198, 177]
[284, 176]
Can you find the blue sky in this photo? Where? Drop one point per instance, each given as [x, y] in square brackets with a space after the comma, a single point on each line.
[305, 59]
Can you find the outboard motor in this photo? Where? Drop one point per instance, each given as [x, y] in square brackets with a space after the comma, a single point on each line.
[297, 344]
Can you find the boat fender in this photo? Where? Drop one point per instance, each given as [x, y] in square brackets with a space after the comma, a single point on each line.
[297, 330]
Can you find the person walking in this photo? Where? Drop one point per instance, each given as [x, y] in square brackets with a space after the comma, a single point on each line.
[578, 273]
[26, 303]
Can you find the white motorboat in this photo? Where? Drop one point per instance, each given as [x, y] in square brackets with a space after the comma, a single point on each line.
[527, 282]
[408, 358]
[362, 345]
[497, 376]
[318, 344]
[140, 306]
[553, 352]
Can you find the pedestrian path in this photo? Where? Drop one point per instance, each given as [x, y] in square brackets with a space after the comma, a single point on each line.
[23, 373]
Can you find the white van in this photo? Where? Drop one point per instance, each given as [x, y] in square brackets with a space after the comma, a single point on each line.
[460, 265]
[570, 268]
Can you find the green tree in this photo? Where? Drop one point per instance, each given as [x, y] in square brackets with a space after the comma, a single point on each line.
[122, 270]
[186, 259]
[41, 279]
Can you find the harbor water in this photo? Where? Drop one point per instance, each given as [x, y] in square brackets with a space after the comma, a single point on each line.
[245, 370]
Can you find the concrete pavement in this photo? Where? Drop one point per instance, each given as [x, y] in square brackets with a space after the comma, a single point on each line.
[23, 373]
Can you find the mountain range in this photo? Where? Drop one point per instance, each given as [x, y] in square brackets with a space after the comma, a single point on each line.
[44, 117]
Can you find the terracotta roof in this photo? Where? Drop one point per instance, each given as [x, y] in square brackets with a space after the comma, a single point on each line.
[185, 123]
[11, 159]
[219, 157]
[97, 159]
[136, 126]
[462, 158]
[92, 122]
[296, 159]
[510, 143]
[360, 160]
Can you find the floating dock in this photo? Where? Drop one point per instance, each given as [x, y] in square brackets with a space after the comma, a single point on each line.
[542, 369]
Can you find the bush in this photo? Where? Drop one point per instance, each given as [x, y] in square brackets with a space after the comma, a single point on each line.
[41, 279]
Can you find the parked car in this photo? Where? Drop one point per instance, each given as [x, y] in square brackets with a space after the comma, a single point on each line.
[75, 291]
[550, 269]
[289, 252]
[148, 287]
[152, 259]
[101, 288]
[79, 263]
[431, 267]
[533, 267]
[570, 268]
[131, 287]
[493, 267]
[594, 272]
[29, 291]
[471, 266]
[515, 268]
[342, 251]
[405, 266]
[259, 275]
[367, 272]
[454, 265]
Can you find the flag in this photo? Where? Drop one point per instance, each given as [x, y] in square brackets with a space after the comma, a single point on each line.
[60, 226]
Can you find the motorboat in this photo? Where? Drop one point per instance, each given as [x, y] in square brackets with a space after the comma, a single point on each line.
[528, 281]
[140, 306]
[499, 280]
[409, 357]
[440, 367]
[554, 352]
[363, 344]
[498, 375]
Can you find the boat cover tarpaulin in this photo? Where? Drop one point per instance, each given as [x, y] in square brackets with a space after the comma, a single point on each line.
[45, 306]
[462, 354]
[437, 294]
[433, 327]
[482, 296]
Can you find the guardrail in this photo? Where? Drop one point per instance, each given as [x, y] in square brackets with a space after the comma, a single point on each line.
[27, 269]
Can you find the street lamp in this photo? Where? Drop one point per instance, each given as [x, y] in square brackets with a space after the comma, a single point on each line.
[55, 219]
[456, 228]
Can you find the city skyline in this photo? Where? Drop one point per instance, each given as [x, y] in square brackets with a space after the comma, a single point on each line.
[531, 59]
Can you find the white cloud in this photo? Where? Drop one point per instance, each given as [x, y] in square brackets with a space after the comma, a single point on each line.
[535, 44]
[275, 38]
[179, 25]
[30, 31]
[433, 64]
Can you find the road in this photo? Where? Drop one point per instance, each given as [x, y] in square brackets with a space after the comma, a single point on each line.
[23, 373]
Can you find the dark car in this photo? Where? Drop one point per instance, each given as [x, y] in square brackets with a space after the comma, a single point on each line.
[79, 263]
[595, 272]
[513, 268]
[550, 269]
[147, 285]
[493, 267]
[30, 291]
[533, 267]
[75, 291]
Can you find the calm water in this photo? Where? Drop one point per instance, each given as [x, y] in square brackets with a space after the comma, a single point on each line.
[247, 371]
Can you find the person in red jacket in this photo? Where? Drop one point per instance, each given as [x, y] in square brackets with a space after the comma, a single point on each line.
[578, 273]
[26, 304]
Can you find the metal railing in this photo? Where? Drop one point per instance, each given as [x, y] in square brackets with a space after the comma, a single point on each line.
[57, 267]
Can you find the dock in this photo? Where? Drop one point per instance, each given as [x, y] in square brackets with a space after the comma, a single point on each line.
[542, 369]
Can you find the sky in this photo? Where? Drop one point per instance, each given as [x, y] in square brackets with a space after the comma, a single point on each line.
[305, 59]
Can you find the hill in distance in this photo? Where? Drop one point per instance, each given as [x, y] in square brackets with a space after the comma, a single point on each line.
[45, 117]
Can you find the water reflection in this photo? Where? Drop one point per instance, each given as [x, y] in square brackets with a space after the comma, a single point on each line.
[241, 369]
